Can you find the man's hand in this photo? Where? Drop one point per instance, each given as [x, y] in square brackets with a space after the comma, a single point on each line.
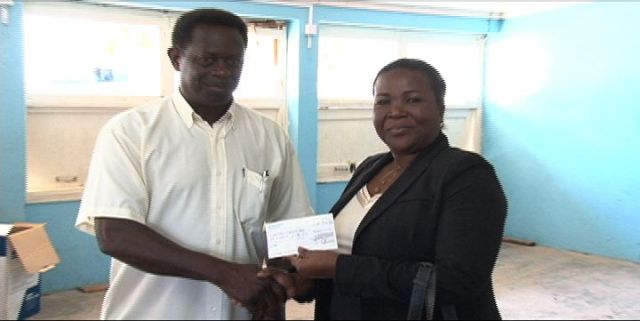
[270, 307]
[147, 250]
[282, 278]
[296, 286]
[262, 297]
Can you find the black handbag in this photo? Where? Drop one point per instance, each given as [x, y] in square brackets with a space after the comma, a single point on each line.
[423, 295]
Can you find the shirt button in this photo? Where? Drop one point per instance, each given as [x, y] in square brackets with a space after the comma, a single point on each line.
[214, 309]
[218, 173]
[218, 243]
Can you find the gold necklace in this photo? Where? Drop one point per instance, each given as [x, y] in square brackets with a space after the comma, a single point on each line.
[387, 178]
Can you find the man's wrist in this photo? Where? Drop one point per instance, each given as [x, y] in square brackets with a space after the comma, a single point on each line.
[305, 288]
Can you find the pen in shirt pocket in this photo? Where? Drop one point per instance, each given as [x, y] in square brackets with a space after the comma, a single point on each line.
[265, 173]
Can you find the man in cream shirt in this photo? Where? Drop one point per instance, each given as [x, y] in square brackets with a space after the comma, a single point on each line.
[179, 190]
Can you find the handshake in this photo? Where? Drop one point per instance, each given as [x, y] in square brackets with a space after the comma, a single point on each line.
[264, 291]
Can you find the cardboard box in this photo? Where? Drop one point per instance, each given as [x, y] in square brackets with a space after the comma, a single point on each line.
[25, 252]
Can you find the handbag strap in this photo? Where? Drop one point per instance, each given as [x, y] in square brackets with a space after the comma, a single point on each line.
[423, 295]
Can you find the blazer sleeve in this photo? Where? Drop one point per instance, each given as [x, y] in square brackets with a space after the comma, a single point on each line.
[468, 239]
[469, 234]
[373, 278]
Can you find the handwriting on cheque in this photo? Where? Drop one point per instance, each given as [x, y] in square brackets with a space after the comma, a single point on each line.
[314, 232]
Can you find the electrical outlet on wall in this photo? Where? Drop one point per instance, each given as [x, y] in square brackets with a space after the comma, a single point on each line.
[67, 179]
[335, 171]
[4, 10]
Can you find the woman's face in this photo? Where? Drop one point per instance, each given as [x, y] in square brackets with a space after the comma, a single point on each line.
[406, 115]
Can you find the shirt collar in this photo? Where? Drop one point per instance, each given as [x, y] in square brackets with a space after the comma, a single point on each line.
[189, 117]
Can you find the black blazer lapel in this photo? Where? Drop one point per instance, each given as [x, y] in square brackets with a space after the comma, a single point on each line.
[415, 170]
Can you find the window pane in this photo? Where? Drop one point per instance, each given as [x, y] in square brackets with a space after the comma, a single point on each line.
[263, 73]
[263, 80]
[349, 61]
[459, 60]
[80, 57]
[350, 57]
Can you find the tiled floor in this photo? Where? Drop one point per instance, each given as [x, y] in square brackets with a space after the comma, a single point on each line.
[530, 282]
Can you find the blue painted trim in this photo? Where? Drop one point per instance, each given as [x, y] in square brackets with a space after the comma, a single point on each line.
[12, 119]
[242, 8]
[401, 20]
[302, 100]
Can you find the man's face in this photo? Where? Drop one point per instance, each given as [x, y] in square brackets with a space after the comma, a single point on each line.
[210, 65]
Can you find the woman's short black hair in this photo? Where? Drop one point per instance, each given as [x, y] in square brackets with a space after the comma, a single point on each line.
[438, 85]
[188, 21]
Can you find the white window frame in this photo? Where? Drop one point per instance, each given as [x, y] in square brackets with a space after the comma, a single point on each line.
[403, 37]
[111, 14]
[95, 105]
[332, 110]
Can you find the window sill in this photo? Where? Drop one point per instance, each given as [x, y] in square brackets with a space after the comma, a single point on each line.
[330, 180]
[52, 196]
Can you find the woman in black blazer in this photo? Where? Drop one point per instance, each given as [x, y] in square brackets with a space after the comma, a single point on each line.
[423, 201]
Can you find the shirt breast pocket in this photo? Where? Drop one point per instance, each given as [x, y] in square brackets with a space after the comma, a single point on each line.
[259, 181]
[256, 190]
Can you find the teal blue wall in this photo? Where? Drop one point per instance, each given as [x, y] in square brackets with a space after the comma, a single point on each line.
[82, 263]
[12, 119]
[562, 126]
[328, 194]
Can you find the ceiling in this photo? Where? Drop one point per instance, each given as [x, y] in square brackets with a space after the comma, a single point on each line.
[505, 9]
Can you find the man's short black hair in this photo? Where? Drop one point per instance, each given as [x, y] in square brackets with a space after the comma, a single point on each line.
[183, 30]
[438, 85]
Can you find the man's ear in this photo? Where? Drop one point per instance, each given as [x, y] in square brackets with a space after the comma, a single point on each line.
[174, 56]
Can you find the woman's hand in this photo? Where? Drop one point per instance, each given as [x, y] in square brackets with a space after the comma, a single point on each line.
[282, 277]
[296, 287]
[259, 296]
[315, 264]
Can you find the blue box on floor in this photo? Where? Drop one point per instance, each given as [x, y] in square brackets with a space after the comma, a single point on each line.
[25, 252]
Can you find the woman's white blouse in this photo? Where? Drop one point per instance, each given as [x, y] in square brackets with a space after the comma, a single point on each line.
[348, 220]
